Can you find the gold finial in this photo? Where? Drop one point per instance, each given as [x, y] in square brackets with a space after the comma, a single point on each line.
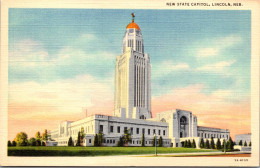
[133, 17]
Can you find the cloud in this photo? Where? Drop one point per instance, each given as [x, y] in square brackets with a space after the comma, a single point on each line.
[221, 109]
[206, 52]
[167, 67]
[228, 41]
[58, 100]
[216, 67]
[88, 36]
[217, 45]
[180, 66]
[34, 62]
[28, 53]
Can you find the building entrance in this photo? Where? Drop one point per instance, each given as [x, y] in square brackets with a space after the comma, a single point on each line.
[183, 127]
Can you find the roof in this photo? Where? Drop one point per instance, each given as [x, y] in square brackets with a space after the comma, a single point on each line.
[133, 25]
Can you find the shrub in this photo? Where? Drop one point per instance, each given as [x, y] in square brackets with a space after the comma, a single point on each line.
[185, 144]
[223, 144]
[78, 140]
[212, 143]
[95, 140]
[9, 143]
[160, 141]
[202, 143]
[245, 144]
[230, 144]
[32, 141]
[240, 143]
[14, 143]
[188, 144]
[142, 140]
[70, 142]
[120, 143]
[38, 142]
[207, 144]
[193, 144]
[100, 138]
[153, 141]
[218, 145]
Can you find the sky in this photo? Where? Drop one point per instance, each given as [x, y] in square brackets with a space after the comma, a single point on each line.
[63, 60]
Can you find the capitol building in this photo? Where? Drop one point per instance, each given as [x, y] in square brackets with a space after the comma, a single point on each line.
[132, 109]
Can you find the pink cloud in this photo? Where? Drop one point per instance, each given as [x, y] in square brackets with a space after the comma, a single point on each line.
[37, 113]
[212, 110]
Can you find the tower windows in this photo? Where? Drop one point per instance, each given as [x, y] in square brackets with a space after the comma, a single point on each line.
[131, 30]
[136, 45]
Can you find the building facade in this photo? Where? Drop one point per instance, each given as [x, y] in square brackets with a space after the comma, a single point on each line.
[133, 77]
[243, 137]
[133, 107]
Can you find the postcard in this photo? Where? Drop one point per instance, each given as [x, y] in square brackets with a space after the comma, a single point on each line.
[129, 83]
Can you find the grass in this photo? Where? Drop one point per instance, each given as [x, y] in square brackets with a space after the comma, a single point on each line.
[94, 151]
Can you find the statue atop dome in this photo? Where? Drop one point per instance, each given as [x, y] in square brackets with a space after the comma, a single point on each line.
[133, 17]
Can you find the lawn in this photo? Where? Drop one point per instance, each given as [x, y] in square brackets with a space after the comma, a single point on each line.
[94, 151]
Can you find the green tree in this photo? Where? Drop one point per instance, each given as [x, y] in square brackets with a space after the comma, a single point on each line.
[21, 139]
[153, 142]
[38, 135]
[202, 143]
[100, 138]
[250, 144]
[38, 138]
[188, 144]
[45, 135]
[9, 143]
[193, 144]
[38, 142]
[160, 141]
[127, 137]
[70, 142]
[43, 143]
[78, 140]
[120, 143]
[240, 143]
[212, 143]
[95, 140]
[185, 144]
[143, 140]
[14, 143]
[223, 142]
[32, 141]
[82, 136]
[207, 144]
[245, 144]
[230, 144]
[218, 145]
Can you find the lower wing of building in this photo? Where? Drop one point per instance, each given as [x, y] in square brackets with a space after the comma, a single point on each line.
[174, 127]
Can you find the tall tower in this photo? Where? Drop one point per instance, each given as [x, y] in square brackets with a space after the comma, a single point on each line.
[133, 76]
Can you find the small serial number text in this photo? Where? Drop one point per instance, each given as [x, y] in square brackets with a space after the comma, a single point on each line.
[241, 160]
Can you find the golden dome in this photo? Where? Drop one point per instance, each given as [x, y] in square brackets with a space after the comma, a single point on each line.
[133, 25]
